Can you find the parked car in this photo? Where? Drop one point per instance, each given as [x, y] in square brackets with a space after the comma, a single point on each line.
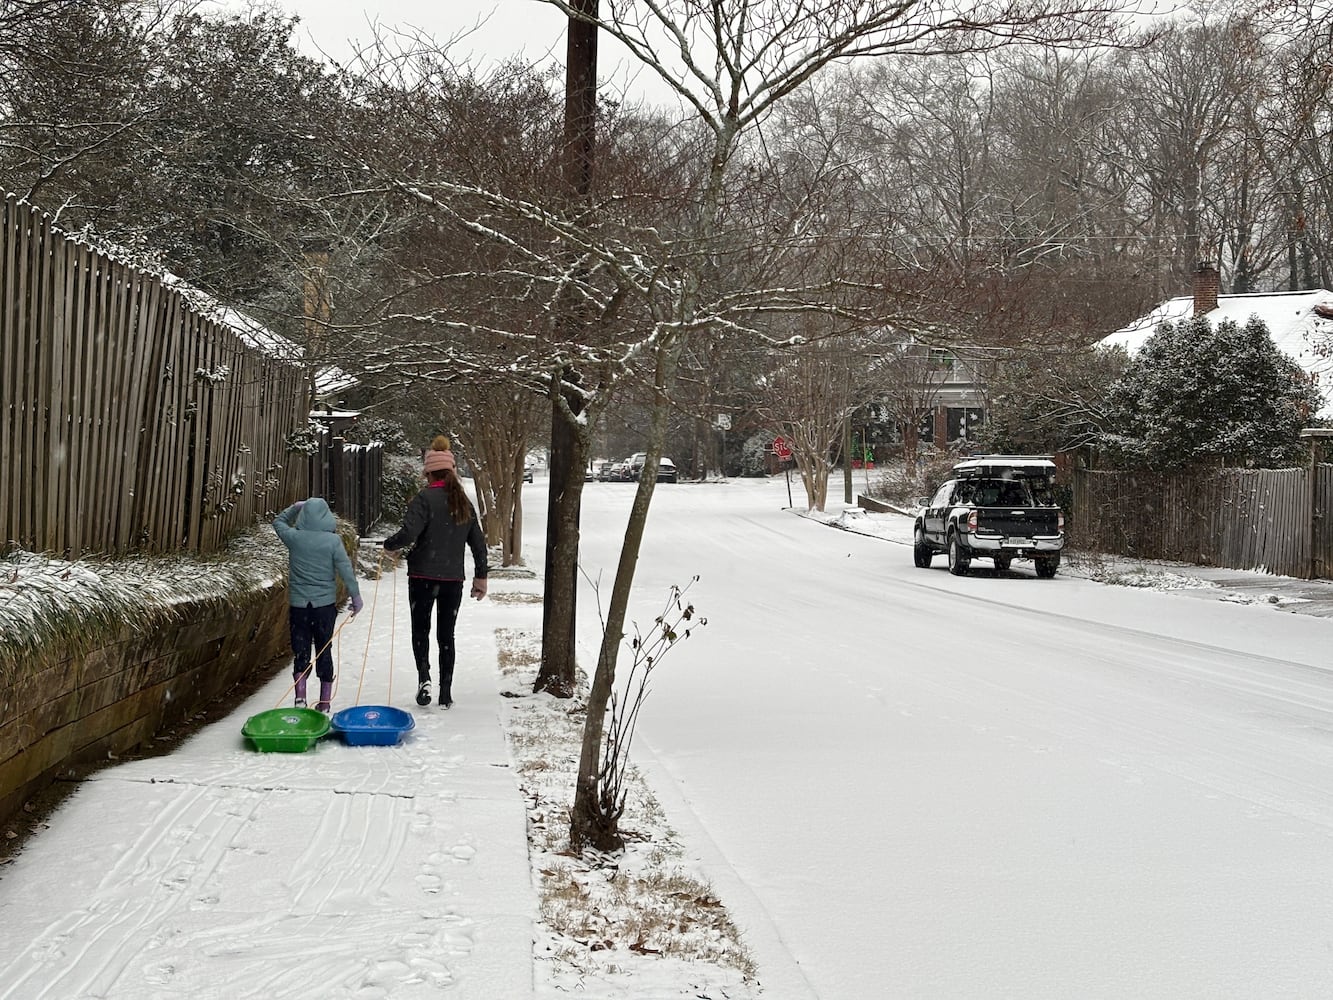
[528, 473]
[988, 509]
[636, 463]
[666, 471]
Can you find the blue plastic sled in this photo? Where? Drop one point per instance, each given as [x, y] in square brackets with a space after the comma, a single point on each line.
[285, 730]
[372, 725]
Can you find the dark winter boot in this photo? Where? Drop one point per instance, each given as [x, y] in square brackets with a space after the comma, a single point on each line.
[423, 693]
[446, 684]
[300, 691]
[325, 697]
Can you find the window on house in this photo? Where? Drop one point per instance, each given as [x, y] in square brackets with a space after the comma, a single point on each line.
[964, 423]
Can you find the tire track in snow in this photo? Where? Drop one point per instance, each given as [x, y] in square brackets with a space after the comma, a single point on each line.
[86, 952]
[1204, 713]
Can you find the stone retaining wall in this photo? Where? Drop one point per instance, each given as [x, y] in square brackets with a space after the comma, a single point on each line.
[117, 697]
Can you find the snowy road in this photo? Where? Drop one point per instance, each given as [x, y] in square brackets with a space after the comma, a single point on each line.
[924, 786]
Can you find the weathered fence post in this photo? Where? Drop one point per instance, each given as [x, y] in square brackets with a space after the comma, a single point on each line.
[334, 486]
[1313, 435]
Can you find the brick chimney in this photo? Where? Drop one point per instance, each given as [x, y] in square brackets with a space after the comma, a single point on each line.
[1205, 288]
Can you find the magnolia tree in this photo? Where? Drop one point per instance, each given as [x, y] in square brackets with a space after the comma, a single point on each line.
[1198, 395]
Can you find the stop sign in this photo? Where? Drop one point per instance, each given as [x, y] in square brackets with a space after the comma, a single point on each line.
[782, 448]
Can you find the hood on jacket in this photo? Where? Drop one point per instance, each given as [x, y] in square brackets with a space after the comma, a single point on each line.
[316, 516]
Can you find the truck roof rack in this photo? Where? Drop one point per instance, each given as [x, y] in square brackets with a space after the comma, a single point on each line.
[979, 457]
[1005, 466]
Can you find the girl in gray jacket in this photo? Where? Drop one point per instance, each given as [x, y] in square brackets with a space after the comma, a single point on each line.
[315, 556]
[439, 523]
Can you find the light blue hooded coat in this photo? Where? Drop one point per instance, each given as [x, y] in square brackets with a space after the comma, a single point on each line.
[316, 554]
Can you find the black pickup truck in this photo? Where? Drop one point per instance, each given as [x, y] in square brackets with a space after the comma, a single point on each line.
[996, 507]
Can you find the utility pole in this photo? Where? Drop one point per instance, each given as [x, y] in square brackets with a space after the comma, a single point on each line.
[847, 440]
[847, 459]
[557, 671]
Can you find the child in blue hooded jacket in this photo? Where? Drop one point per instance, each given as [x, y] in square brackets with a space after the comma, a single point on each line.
[315, 557]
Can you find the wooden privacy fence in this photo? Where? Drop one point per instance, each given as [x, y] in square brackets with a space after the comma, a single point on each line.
[129, 418]
[1237, 518]
[348, 477]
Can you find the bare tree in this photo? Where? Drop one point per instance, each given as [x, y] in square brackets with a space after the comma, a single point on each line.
[1051, 401]
[1291, 127]
[808, 399]
[911, 374]
[503, 423]
[1180, 104]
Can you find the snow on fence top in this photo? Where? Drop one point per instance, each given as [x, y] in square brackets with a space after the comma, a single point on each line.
[131, 417]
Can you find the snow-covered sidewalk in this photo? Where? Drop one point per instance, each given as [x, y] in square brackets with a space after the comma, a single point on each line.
[342, 872]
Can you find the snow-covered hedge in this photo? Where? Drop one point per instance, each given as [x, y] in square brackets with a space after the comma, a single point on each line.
[49, 604]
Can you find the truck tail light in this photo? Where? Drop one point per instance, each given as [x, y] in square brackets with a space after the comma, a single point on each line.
[972, 521]
[1060, 520]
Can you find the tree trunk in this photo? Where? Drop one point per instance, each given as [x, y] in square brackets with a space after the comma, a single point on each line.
[569, 457]
[569, 437]
[593, 822]
[513, 554]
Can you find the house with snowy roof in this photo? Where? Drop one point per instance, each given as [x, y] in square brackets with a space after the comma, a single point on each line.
[1300, 323]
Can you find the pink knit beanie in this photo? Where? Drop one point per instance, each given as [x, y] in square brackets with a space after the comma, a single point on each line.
[440, 457]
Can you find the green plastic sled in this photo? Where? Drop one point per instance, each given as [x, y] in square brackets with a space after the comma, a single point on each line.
[286, 730]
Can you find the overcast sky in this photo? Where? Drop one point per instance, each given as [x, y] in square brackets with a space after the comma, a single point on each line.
[485, 30]
[493, 28]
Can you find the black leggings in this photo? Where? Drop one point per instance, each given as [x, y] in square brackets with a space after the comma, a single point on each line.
[444, 598]
[312, 628]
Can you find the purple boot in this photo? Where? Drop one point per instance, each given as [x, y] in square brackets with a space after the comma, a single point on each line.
[325, 697]
[300, 690]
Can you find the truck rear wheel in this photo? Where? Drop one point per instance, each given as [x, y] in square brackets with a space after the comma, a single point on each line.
[921, 554]
[1047, 565]
[958, 560]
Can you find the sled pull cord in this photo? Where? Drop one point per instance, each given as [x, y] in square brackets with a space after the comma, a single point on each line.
[370, 627]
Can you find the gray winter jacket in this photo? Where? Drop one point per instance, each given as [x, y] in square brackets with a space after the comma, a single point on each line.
[438, 540]
[316, 554]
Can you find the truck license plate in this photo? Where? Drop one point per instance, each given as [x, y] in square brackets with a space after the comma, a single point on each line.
[1017, 543]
